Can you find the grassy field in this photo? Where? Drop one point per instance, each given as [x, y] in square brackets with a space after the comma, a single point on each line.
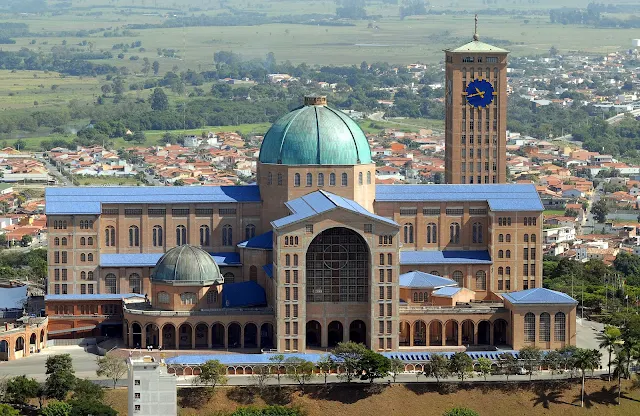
[400, 400]
[550, 212]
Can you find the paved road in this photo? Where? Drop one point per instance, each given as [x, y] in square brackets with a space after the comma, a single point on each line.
[53, 171]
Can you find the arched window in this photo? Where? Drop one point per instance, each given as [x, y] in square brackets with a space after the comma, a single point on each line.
[529, 327]
[508, 238]
[390, 259]
[500, 271]
[90, 241]
[188, 298]
[408, 233]
[533, 238]
[369, 178]
[279, 179]
[320, 179]
[359, 178]
[227, 235]
[415, 297]
[249, 231]
[454, 233]
[253, 273]
[56, 241]
[83, 241]
[287, 260]
[332, 179]
[481, 280]
[477, 233]
[508, 254]
[501, 238]
[135, 283]
[205, 234]
[90, 276]
[64, 224]
[507, 271]
[344, 179]
[500, 254]
[296, 179]
[64, 241]
[90, 257]
[229, 277]
[83, 257]
[269, 178]
[134, 236]
[309, 179]
[163, 297]
[295, 260]
[420, 297]
[83, 275]
[526, 238]
[432, 233]
[157, 236]
[545, 327]
[560, 327]
[111, 284]
[181, 235]
[458, 277]
[381, 259]
[110, 236]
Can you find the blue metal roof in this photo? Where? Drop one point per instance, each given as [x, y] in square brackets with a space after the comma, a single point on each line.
[319, 202]
[243, 295]
[446, 291]
[13, 297]
[150, 259]
[445, 257]
[268, 269]
[88, 200]
[100, 296]
[421, 280]
[260, 242]
[539, 295]
[500, 197]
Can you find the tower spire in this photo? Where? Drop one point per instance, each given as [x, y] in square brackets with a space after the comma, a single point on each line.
[475, 33]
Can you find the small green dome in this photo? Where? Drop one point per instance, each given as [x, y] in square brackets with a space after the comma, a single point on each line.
[185, 265]
[315, 134]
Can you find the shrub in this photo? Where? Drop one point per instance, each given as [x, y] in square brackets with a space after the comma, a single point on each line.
[461, 411]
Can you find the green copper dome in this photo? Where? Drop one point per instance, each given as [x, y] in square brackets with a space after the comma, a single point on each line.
[187, 265]
[315, 135]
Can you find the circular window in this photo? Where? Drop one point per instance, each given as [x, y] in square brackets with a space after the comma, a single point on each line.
[336, 256]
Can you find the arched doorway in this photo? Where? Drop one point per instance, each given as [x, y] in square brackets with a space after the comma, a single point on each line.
[217, 336]
[42, 339]
[500, 332]
[4, 350]
[33, 339]
[335, 333]
[405, 334]
[233, 335]
[484, 333]
[186, 337]
[419, 334]
[467, 333]
[314, 334]
[332, 256]
[136, 333]
[169, 337]
[266, 336]
[250, 336]
[435, 333]
[451, 333]
[19, 351]
[152, 335]
[202, 335]
[358, 332]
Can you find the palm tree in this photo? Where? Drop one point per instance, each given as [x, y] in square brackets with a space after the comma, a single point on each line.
[585, 359]
[610, 338]
[621, 367]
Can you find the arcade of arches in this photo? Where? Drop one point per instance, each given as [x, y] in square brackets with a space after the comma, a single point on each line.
[23, 341]
[436, 333]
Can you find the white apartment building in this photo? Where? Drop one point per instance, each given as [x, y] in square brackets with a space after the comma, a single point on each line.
[152, 391]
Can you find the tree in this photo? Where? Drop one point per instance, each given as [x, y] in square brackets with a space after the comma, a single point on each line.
[299, 370]
[600, 210]
[87, 390]
[212, 373]
[531, 357]
[571, 213]
[484, 367]
[508, 364]
[26, 240]
[6, 410]
[553, 361]
[156, 67]
[325, 364]
[260, 376]
[584, 360]
[610, 338]
[461, 411]
[438, 367]
[348, 356]
[21, 200]
[278, 360]
[461, 365]
[374, 365]
[159, 100]
[396, 366]
[112, 367]
[20, 389]
[61, 378]
[56, 408]
[139, 137]
[90, 407]
[620, 367]
[3, 239]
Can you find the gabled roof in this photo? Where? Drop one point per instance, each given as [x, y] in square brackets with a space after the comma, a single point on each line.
[421, 280]
[445, 257]
[260, 242]
[477, 46]
[319, 202]
[539, 295]
[446, 292]
[500, 197]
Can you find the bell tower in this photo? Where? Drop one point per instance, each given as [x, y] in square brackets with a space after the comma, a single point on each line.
[476, 113]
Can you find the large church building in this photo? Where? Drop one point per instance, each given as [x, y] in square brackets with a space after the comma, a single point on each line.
[315, 252]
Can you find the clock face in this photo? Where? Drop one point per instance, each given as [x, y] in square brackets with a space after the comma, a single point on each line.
[479, 93]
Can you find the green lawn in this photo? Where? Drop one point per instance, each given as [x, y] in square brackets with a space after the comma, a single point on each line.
[553, 212]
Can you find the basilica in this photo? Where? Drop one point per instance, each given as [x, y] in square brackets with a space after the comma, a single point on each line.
[315, 252]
